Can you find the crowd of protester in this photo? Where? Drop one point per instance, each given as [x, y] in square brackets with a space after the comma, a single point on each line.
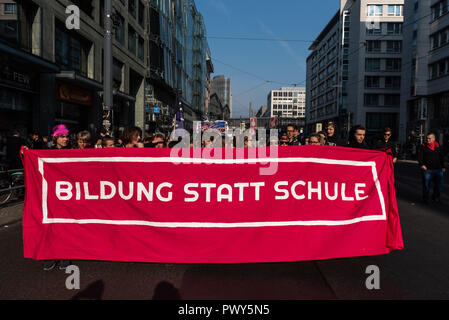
[430, 154]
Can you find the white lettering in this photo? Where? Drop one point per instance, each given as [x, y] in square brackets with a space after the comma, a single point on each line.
[302, 183]
[257, 186]
[241, 187]
[358, 192]
[158, 192]
[120, 190]
[147, 192]
[326, 190]
[103, 185]
[191, 192]
[227, 196]
[316, 190]
[67, 191]
[285, 192]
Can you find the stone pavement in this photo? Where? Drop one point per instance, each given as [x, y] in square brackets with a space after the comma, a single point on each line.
[11, 213]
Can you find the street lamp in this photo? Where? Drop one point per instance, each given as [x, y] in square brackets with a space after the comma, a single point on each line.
[108, 96]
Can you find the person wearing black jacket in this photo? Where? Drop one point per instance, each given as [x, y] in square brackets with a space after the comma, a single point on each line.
[385, 143]
[13, 145]
[332, 138]
[357, 138]
[431, 162]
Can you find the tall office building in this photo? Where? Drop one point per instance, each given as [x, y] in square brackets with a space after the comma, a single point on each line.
[425, 90]
[222, 87]
[287, 102]
[354, 70]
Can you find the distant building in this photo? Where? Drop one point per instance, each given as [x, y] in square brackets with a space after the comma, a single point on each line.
[354, 70]
[222, 87]
[261, 112]
[287, 102]
[425, 74]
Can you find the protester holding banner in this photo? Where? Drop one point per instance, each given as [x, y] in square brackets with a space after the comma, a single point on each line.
[61, 141]
[332, 138]
[292, 141]
[132, 137]
[107, 142]
[83, 140]
[60, 137]
[159, 141]
[314, 139]
[431, 162]
[357, 138]
[386, 144]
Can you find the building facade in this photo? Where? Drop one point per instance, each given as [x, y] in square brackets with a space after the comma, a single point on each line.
[222, 87]
[287, 102]
[52, 74]
[354, 70]
[425, 90]
[178, 68]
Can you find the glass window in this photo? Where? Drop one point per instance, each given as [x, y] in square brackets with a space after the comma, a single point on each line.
[372, 65]
[395, 10]
[132, 39]
[10, 8]
[374, 10]
[371, 99]
[394, 27]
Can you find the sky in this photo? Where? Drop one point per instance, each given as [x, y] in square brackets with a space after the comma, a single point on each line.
[256, 67]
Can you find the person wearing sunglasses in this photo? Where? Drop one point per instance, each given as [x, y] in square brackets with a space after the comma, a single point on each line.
[386, 143]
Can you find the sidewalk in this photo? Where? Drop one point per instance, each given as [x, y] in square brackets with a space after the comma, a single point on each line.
[11, 213]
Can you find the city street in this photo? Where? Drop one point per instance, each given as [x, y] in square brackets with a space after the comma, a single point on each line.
[419, 271]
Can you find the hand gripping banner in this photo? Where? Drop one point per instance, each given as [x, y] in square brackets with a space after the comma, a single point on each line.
[144, 205]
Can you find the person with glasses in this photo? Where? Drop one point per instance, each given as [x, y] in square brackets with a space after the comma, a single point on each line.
[315, 139]
[292, 141]
[385, 143]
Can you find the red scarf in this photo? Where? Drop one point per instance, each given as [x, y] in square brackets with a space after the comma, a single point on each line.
[432, 145]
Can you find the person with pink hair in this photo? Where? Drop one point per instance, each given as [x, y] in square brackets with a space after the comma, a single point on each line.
[60, 137]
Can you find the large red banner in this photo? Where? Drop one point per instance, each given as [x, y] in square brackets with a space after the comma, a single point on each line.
[144, 205]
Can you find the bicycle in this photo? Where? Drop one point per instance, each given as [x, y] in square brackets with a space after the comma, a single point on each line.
[12, 184]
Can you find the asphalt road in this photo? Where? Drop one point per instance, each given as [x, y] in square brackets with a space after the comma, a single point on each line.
[419, 271]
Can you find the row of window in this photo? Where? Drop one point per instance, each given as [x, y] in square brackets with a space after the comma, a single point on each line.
[286, 107]
[287, 94]
[378, 64]
[384, 28]
[439, 39]
[439, 69]
[8, 8]
[383, 82]
[377, 10]
[440, 9]
[382, 100]
[323, 49]
[323, 112]
[377, 46]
